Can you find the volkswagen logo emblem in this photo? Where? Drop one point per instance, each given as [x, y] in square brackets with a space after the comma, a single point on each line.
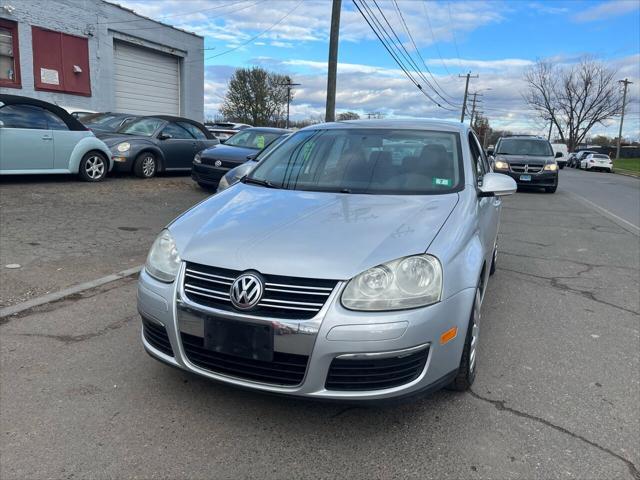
[526, 169]
[246, 291]
[218, 163]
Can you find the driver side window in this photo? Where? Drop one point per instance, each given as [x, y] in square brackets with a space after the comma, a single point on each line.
[176, 132]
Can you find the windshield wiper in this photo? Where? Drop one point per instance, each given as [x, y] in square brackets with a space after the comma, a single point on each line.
[257, 181]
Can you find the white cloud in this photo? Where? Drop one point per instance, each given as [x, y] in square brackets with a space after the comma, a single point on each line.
[607, 10]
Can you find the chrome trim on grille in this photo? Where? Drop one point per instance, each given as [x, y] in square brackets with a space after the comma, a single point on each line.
[392, 353]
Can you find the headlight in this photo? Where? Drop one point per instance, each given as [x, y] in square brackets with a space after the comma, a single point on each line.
[197, 158]
[223, 184]
[163, 260]
[123, 147]
[551, 167]
[408, 282]
[500, 165]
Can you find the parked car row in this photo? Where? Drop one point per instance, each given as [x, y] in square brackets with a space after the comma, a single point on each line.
[40, 137]
[590, 160]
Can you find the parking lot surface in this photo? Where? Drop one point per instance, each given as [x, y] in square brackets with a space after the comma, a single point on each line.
[556, 394]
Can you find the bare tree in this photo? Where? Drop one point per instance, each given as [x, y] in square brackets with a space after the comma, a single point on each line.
[574, 99]
[348, 116]
[255, 96]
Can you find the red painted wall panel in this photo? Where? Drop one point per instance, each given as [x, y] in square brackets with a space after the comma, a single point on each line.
[55, 56]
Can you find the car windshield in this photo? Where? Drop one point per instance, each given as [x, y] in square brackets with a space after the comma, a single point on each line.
[522, 146]
[102, 120]
[252, 139]
[271, 147]
[371, 161]
[143, 126]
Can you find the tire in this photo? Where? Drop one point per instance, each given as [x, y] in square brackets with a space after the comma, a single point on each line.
[93, 167]
[467, 370]
[205, 187]
[494, 259]
[561, 166]
[146, 165]
[551, 189]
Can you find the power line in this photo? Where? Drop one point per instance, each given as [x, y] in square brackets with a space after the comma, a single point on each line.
[386, 42]
[252, 39]
[406, 28]
[405, 53]
[171, 15]
[453, 32]
[433, 37]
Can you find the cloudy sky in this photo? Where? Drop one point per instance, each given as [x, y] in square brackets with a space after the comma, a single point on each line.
[496, 40]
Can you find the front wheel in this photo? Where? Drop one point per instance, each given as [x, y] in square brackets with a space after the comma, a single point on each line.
[93, 167]
[146, 165]
[467, 369]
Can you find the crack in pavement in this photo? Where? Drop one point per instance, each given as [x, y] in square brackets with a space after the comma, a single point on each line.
[568, 260]
[557, 284]
[68, 339]
[500, 405]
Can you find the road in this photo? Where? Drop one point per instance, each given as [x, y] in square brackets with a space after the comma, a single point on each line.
[619, 194]
[556, 394]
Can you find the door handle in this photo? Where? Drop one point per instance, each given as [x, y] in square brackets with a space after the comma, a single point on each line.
[47, 137]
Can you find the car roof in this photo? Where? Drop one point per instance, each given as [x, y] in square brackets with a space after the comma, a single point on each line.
[396, 124]
[266, 130]
[71, 122]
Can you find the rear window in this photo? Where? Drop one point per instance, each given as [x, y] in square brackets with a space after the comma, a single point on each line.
[371, 161]
[600, 156]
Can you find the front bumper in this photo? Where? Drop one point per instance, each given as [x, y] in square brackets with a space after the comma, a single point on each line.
[208, 174]
[542, 179]
[378, 333]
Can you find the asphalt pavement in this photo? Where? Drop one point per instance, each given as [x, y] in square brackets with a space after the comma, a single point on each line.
[556, 394]
[618, 194]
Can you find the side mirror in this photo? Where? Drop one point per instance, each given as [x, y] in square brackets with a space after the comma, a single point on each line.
[164, 136]
[497, 185]
[1, 124]
[558, 154]
[252, 156]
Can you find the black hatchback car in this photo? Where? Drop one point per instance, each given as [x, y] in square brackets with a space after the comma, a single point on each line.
[530, 161]
[213, 163]
[159, 143]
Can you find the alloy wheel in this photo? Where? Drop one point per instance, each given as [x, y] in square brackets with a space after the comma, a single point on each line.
[475, 331]
[95, 167]
[148, 166]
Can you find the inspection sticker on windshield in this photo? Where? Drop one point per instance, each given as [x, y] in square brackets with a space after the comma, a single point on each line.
[445, 182]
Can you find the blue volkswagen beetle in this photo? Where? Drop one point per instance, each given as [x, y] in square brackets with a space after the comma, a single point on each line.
[40, 137]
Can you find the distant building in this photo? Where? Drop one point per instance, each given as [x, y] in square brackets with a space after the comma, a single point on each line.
[95, 55]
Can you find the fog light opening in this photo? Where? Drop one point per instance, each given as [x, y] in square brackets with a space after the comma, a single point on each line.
[449, 335]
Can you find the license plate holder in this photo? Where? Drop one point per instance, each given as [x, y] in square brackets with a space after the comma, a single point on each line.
[241, 339]
[525, 178]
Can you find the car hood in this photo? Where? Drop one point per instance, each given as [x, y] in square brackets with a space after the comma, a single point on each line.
[111, 139]
[529, 159]
[308, 234]
[227, 153]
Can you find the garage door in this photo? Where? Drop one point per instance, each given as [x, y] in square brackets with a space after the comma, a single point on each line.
[146, 82]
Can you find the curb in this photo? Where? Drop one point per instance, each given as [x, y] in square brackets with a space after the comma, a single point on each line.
[81, 287]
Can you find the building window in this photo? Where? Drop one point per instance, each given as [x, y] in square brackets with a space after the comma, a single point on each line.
[60, 62]
[9, 55]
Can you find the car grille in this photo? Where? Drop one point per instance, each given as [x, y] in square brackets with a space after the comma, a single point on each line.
[284, 297]
[285, 369]
[521, 167]
[157, 337]
[375, 373]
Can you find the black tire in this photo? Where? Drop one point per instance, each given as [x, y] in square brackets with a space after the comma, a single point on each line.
[467, 370]
[561, 166]
[146, 165]
[494, 259]
[93, 167]
[551, 189]
[206, 187]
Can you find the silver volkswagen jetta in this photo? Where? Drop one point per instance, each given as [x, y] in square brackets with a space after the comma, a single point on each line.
[350, 264]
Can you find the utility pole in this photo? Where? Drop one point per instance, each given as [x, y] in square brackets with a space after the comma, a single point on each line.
[289, 86]
[626, 82]
[550, 125]
[466, 93]
[330, 111]
[473, 107]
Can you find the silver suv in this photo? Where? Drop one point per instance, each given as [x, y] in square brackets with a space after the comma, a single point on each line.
[350, 264]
